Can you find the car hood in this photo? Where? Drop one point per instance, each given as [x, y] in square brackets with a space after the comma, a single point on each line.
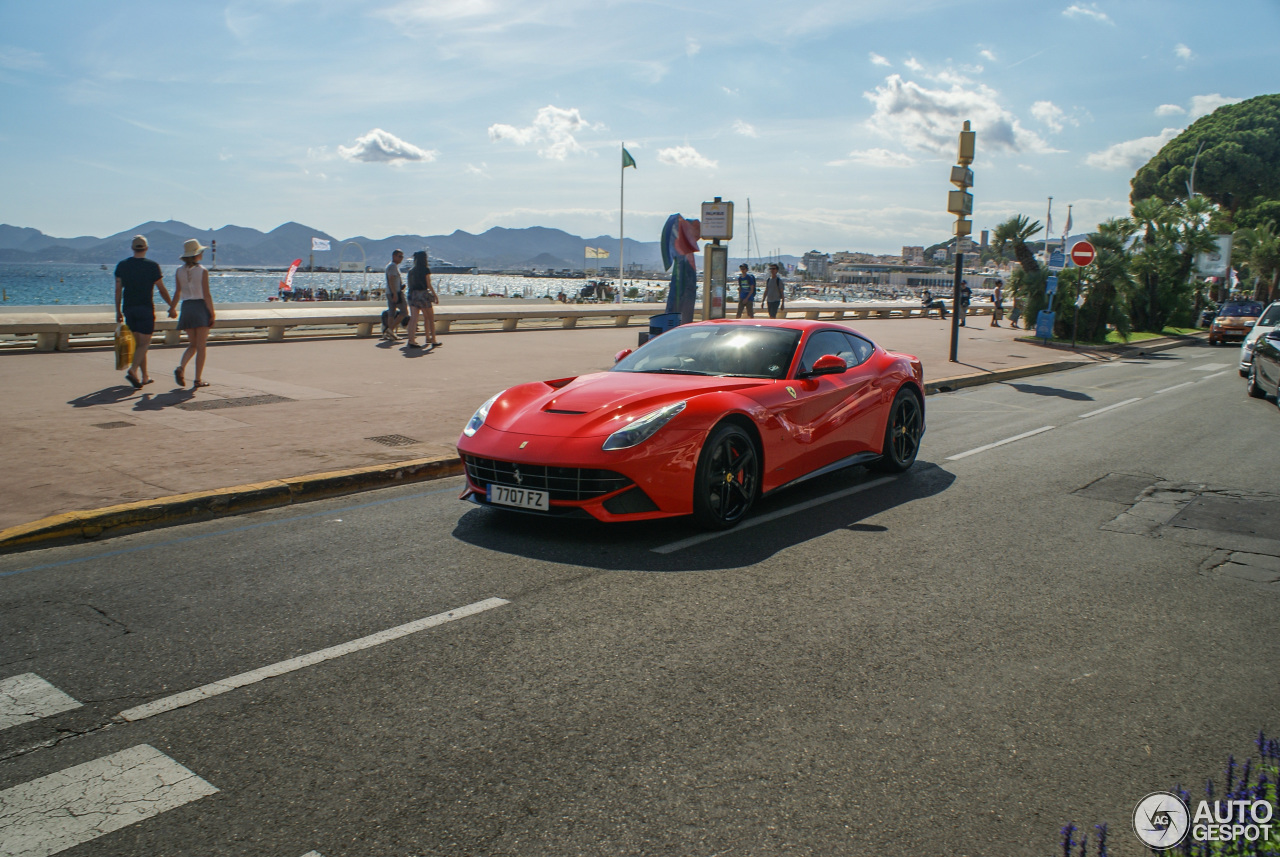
[600, 404]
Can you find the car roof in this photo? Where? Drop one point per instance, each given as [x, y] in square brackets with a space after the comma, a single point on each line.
[784, 323]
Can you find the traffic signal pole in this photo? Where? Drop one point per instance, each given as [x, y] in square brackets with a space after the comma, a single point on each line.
[960, 203]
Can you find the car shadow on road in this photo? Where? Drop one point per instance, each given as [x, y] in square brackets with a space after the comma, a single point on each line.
[1037, 390]
[679, 545]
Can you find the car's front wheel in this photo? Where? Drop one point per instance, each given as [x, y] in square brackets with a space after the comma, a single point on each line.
[727, 478]
[1254, 389]
[902, 433]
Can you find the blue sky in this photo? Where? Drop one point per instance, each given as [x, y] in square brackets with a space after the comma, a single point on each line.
[837, 119]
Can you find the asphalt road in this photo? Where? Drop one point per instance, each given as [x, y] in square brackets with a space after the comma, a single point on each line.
[959, 660]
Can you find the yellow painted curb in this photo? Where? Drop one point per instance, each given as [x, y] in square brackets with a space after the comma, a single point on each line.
[220, 502]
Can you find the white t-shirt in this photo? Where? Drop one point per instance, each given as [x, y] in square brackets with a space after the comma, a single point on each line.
[394, 283]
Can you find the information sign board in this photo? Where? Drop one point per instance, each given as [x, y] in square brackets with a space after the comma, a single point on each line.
[717, 221]
[1044, 324]
[1057, 260]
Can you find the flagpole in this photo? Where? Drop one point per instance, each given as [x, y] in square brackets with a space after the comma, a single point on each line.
[1048, 232]
[622, 182]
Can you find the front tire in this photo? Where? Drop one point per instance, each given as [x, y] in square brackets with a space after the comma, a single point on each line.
[902, 434]
[727, 478]
[1254, 390]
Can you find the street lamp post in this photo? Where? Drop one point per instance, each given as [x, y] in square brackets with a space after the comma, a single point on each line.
[960, 203]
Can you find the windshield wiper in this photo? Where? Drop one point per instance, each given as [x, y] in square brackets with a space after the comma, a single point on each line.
[675, 372]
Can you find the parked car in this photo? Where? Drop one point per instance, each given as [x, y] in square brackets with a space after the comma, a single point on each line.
[1264, 372]
[701, 421]
[1234, 321]
[1268, 321]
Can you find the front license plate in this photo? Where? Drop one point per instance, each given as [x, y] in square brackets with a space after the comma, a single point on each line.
[520, 498]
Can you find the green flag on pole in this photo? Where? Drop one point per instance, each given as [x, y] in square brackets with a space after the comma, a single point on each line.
[627, 160]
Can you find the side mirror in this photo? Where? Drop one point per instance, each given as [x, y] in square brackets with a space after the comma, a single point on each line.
[827, 364]
[1274, 335]
[622, 355]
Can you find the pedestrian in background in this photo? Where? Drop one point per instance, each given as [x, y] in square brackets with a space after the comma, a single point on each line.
[1016, 312]
[397, 306]
[137, 278]
[966, 295]
[775, 295]
[746, 291]
[191, 287]
[422, 301]
[997, 299]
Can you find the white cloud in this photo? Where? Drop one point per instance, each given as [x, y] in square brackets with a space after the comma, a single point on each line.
[1091, 11]
[1203, 105]
[745, 129]
[379, 146]
[691, 46]
[876, 59]
[728, 91]
[15, 58]
[1052, 115]
[1183, 52]
[442, 10]
[1169, 110]
[473, 170]
[685, 156]
[553, 129]
[1131, 154]
[988, 55]
[913, 64]
[876, 158]
[931, 119]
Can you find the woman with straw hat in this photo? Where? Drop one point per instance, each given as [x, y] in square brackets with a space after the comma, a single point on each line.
[191, 287]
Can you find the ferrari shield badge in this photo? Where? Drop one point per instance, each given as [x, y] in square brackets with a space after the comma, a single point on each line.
[523, 445]
[792, 391]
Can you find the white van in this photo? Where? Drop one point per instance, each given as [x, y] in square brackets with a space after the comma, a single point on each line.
[1268, 321]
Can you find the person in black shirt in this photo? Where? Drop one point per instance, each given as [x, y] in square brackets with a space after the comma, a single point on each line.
[136, 279]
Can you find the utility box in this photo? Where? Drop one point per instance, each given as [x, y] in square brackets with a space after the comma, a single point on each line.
[960, 203]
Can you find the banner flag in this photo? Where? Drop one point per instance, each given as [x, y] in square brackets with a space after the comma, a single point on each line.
[627, 160]
[286, 285]
[318, 244]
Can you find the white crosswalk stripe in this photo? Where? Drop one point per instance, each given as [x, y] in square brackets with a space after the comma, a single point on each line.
[81, 803]
[28, 697]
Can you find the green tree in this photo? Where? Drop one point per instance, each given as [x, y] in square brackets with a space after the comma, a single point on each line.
[1168, 238]
[1014, 233]
[1111, 284]
[1239, 158]
[1261, 246]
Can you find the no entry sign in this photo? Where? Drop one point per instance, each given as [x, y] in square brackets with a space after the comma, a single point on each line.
[1082, 254]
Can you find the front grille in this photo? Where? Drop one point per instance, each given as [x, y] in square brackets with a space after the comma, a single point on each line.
[561, 483]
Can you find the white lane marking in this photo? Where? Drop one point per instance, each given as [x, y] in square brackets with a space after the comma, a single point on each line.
[180, 700]
[28, 697]
[1175, 387]
[81, 803]
[1215, 375]
[1209, 367]
[772, 516]
[970, 452]
[1109, 408]
[313, 854]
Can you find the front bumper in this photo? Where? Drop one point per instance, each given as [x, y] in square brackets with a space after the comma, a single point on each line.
[651, 480]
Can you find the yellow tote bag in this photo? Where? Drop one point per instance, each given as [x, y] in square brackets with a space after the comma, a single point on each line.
[124, 346]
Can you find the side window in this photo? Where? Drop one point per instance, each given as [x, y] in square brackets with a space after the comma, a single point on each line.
[823, 342]
[862, 349]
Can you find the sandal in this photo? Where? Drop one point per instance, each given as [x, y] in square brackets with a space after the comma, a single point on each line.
[129, 376]
[199, 383]
[177, 376]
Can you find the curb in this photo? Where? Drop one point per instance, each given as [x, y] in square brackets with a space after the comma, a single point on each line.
[947, 385]
[207, 505]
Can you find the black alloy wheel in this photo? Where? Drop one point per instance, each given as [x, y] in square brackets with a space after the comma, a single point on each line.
[1254, 389]
[727, 478]
[902, 434]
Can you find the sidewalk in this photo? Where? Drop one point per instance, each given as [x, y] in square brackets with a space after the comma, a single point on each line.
[78, 437]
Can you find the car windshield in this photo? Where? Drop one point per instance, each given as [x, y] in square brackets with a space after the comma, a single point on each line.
[727, 350]
[1239, 310]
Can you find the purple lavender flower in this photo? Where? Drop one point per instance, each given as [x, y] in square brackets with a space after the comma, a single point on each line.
[1067, 842]
[1102, 839]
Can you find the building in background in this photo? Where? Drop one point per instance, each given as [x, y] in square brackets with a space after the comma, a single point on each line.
[816, 265]
[913, 255]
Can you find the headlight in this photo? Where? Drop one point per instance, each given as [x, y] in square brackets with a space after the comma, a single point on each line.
[477, 419]
[644, 428]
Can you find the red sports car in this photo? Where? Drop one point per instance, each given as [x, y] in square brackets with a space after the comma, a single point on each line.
[699, 421]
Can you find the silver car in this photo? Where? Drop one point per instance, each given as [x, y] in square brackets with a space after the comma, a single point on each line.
[1267, 322]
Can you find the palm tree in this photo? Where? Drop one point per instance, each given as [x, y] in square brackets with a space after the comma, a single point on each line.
[1262, 244]
[1016, 230]
[1111, 283]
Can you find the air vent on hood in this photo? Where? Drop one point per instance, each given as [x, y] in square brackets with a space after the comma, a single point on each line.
[557, 411]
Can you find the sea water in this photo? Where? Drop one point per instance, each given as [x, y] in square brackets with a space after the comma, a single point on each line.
[44, 284]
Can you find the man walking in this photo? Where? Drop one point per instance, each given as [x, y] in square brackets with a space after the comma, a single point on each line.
[966, 295]
[746, 291]
[136, 280]
[775, 295]
[997, 301]
[397, 307]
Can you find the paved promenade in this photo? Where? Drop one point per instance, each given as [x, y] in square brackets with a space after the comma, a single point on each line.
[78, 437]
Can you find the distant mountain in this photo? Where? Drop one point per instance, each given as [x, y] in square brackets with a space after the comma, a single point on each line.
[496, 249]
